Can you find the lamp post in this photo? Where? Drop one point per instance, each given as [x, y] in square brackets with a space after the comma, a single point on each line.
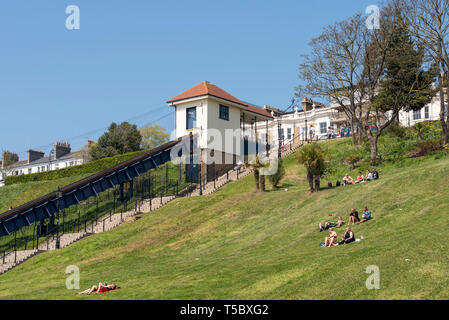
[52, 152]
[57, 245]
[279, 138]
[307, 128]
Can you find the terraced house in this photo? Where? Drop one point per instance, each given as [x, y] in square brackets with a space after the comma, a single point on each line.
[60, 157]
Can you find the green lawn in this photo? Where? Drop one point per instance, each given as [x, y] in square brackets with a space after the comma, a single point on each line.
[241, 244]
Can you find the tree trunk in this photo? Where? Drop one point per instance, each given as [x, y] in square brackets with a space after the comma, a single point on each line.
[444, 127]
[353, 133]
[374, 150]
[359, 137]
[310, 179]
[262, 182]
[256, 178]
[317, 183]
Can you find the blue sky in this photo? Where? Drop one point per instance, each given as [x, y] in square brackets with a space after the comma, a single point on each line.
[130, 57]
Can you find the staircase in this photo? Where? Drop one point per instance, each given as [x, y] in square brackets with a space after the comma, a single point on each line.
[108, 223]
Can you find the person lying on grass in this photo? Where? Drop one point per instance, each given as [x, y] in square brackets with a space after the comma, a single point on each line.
[329, 225]
[366, 216]
[101, 288]
[348, 237]
[331, 241]
[348, 180]
[353, 217]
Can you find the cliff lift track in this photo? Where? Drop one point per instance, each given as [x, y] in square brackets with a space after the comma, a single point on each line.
[73, 194]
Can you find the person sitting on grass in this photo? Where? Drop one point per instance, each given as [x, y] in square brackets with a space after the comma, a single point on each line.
[340, 222]
[360, 178]
[101, 288]
[329, 225]
[366, 216]
[353, 217]
[348, 180]
[369, 176]
[375, 174]
[348, 237]
[331, 241]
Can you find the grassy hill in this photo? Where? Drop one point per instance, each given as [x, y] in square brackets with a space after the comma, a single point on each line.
[241, 244]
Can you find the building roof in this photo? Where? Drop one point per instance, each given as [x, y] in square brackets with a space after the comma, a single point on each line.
[203, 89]
[208, 89]
[259, 111]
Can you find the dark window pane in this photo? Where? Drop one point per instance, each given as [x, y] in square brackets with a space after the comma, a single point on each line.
[191, 118]
[224, 112]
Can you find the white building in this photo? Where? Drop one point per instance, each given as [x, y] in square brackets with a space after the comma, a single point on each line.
[37, 162]
[227, 127]
[431, 112]
[313, 121]
[221, 121]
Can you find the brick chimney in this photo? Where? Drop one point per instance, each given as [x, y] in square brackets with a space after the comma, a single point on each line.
[62, 149]
[9, 158]
[34, 155]
[307, 104]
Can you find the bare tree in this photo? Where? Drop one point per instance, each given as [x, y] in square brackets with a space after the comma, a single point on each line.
[430, 24]
[333, 69]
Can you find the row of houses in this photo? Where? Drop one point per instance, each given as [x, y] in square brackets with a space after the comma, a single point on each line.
[60, 157]
[227, 128]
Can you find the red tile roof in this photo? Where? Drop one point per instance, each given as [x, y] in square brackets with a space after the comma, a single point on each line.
[259, 111]
[205, 88]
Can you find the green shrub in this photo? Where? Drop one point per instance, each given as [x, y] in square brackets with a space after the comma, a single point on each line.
[427, 130]
[277, 177]
[89, 167]
[425, 147]
[397, 130]
[353, 161]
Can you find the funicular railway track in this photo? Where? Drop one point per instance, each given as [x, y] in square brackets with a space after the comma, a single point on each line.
[73, 194]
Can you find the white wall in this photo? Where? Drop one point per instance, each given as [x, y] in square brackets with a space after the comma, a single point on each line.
[210, 128]
[201, 119]
[314, 117]
[407, 118]
[225, 128]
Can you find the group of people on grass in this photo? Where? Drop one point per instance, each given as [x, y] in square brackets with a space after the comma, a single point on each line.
[348, 236]
[370, 175]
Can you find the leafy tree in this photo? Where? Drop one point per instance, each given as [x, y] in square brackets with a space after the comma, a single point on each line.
[277, 177]
[119, 139]
[312, 156]
[153, 136]
[404, 84]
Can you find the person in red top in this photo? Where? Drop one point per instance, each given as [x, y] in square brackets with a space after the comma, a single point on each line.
[360, 178]
[101, 288]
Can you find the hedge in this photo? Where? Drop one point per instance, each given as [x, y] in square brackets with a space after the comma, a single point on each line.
[86, 168]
